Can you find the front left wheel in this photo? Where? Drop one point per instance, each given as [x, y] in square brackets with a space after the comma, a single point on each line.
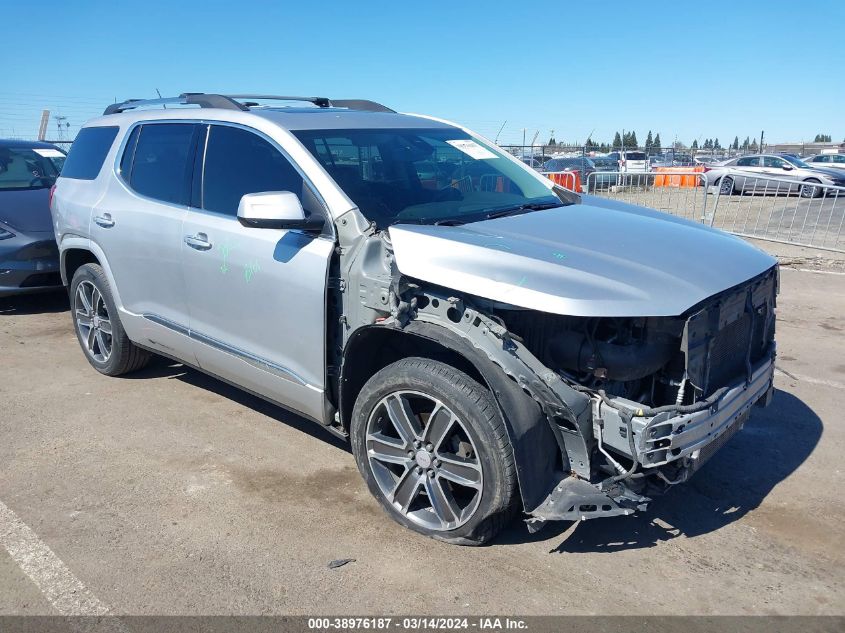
[98, 327]
[432, 446]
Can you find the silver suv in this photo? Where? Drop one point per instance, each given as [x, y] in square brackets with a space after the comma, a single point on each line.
[488, 342]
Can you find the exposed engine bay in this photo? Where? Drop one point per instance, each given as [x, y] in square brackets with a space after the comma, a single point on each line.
[635, 404]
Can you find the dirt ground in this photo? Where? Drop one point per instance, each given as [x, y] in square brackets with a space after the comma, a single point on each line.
[168, 492]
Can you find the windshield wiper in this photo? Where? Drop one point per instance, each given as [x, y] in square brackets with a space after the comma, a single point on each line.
[520, 208]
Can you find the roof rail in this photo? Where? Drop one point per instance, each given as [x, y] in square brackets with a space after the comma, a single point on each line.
[232, 102]
[361, 104]
[187, 98]
[322, 102]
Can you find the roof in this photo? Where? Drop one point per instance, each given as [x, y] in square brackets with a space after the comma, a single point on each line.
[16, 143]
[343, 119]
[306, 118]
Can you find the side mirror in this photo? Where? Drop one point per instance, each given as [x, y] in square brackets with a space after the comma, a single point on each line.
[787, 167]
[276, 210]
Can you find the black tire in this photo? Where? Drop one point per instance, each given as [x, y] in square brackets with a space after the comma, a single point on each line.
[726, 186]
[124, 356]
[479, 417]
[811, 191]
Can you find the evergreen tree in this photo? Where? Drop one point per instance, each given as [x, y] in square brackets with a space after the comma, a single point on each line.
[735, 145]
[695, 144]
[649, 141]
[657, 144]
[753, 146]
[716, 144]
[746, 143]
[617, 141]
[632, 140]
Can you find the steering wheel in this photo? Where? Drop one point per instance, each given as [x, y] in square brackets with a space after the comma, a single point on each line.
[447, 193]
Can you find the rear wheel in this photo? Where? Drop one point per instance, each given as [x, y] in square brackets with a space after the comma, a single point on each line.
[726, 186]
[810, 188]
[98, 327]
[432, 447]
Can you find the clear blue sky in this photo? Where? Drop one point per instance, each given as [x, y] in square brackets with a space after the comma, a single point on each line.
[691, 69]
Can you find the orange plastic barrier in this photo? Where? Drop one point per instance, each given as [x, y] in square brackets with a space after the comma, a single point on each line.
[677, 176]
[567, 179]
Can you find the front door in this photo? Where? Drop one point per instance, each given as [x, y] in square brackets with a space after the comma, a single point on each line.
[257, 297]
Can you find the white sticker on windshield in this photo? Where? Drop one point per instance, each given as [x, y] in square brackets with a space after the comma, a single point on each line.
[473, 149]
[48, 153]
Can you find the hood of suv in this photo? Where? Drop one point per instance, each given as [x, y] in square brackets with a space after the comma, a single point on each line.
[26, 210]
[581, 260]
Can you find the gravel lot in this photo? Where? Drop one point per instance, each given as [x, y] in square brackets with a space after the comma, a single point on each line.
[817, 222]
[169, 492]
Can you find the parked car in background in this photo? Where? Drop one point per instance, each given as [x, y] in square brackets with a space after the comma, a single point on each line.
[752, 174]
[706, 159]
[29, 259]
[581, 164]
[631, 161]
[485, 350]
[532, 162]
[833, 161]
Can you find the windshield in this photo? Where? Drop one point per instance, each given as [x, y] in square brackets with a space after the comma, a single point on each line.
[425, 176]
[797, 162]
[28, 168]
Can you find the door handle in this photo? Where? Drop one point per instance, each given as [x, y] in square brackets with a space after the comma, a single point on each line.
[104, 220]
[199, 241]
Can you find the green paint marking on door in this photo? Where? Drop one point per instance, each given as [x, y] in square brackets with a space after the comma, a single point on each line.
[250, 270]
[224, 267]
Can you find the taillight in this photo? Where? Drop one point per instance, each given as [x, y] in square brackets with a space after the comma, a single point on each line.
[705, 169]
[52, 191]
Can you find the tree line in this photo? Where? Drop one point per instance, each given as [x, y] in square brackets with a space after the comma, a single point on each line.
[653, 143]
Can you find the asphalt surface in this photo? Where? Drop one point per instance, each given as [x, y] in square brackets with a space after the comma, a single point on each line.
[169, 492]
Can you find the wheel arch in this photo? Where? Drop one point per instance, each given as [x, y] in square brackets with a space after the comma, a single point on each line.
[371, 348]
[72, 259]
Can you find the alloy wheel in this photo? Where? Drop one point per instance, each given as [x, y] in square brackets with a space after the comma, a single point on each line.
[92, 321]
[424, 460]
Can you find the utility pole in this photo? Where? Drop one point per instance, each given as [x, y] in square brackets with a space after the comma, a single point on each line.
[42, 127]
[761, 140]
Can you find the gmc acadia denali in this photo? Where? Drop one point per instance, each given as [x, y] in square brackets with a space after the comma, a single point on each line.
[488, 342]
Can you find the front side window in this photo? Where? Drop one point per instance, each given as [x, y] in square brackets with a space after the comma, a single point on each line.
[88, 152]
[424, 175]
[771, 161]
[239, 162]
[161, 166]
[837, 158]
[28, 168]
[748, 161]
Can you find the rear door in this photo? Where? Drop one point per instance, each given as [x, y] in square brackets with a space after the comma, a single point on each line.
[747, 173]
[257, 296]
[138, 225]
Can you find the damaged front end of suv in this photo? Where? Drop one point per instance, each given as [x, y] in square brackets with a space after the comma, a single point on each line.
[617, 378]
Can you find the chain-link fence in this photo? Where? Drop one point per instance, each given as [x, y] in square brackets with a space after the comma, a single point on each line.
[774, 209]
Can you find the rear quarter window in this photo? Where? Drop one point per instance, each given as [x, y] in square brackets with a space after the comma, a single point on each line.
[88, 152]
[634, 156]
